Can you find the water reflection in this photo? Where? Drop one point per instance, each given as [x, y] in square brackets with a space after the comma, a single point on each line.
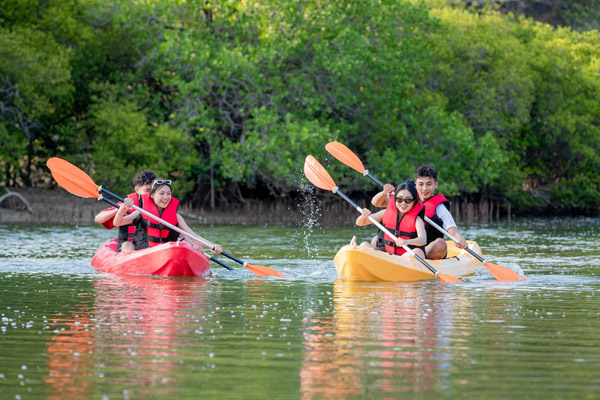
[68, 332]
[382, 338]
[129, 338]
[70, 354]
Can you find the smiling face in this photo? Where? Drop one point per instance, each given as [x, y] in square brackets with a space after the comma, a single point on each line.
[162, 196]
[426, 186]
[401, 204]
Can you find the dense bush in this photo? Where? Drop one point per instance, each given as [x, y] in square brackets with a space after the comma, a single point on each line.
[231, 96]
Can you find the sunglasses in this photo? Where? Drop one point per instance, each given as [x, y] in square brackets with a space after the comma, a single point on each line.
[161, 182]
[407, 200]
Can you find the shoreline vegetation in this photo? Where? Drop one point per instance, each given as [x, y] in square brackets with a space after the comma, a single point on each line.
[228, 98]
[58, 206]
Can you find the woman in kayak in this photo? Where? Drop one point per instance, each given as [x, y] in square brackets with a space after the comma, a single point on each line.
[161, 203]
[403, 217]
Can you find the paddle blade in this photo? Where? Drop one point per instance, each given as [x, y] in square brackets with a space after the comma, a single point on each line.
[72, 179]
[445, 278]
[502, 273]
[317, 175]
[261, 270]
[345, 155]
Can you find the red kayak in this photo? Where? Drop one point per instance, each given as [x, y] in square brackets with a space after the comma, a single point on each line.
[169, 259]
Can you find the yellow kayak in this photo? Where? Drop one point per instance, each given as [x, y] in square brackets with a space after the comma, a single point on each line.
[356, 263]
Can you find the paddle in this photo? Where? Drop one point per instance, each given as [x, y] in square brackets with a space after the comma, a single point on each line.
[221, 263]
[346, 156]
[77, 182]
[319, 177]
[210, 257]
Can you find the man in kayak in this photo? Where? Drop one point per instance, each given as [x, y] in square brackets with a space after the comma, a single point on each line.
[161, 203]
[436, 209]
[403, 217]
[127, 233]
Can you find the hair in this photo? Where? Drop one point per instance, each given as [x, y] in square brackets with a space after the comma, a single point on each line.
[155, 188]
[426, 170]
[410, 186]
[145, 177]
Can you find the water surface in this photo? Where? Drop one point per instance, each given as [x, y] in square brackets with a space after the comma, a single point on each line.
[67, 331]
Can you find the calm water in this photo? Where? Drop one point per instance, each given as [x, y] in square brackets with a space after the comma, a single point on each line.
[69, 332]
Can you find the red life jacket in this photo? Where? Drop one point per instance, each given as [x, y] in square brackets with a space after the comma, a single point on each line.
[430, 212]
[127, 232]
[403, 227]
[157, 232]
[108, 224]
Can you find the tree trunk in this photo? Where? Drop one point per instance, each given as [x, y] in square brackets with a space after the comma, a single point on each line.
[212, 178]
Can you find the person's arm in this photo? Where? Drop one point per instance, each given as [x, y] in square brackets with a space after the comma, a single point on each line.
[420, 240]
[363, 219]
[105, 215]
[120, 217]
[449, 225]
[382, 198]
[462, 242]
[216, 248]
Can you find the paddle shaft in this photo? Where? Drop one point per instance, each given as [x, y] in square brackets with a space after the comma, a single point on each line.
[383, 228]
[439, 228]
[377, 181]
[221, 263]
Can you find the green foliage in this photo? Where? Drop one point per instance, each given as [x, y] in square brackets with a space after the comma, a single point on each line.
[37, 68]
[220, 92]
[529, 85]
[582, 15]
[123, 144]
[12, 147]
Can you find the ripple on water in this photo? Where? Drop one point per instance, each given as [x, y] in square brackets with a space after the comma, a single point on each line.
[67, 331]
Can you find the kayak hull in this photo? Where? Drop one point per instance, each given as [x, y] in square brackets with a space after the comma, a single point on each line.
[168, 259]
[356, 263]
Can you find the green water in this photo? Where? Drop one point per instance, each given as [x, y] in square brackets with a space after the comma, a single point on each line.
[69, 332]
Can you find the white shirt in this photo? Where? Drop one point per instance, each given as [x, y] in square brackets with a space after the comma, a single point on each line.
[444, 214]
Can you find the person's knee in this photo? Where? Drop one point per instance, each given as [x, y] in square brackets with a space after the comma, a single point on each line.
[437, 249]
[127, 247]
[419, 252]
[374, 241]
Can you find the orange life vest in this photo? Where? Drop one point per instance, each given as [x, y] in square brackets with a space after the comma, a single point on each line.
[430, 212]
[403, 227]
[157, 232]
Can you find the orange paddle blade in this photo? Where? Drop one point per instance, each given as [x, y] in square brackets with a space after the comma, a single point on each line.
[502, 273]
[345, 155]
[317, 175]
[72, 179]
[445, 278]
[261, 270]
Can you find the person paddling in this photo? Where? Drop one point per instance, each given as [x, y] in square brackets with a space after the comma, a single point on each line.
[436, 209]
[403, 217]
[127, 233]
[161, 203]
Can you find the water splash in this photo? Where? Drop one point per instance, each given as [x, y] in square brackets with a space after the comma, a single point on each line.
[310, 213]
